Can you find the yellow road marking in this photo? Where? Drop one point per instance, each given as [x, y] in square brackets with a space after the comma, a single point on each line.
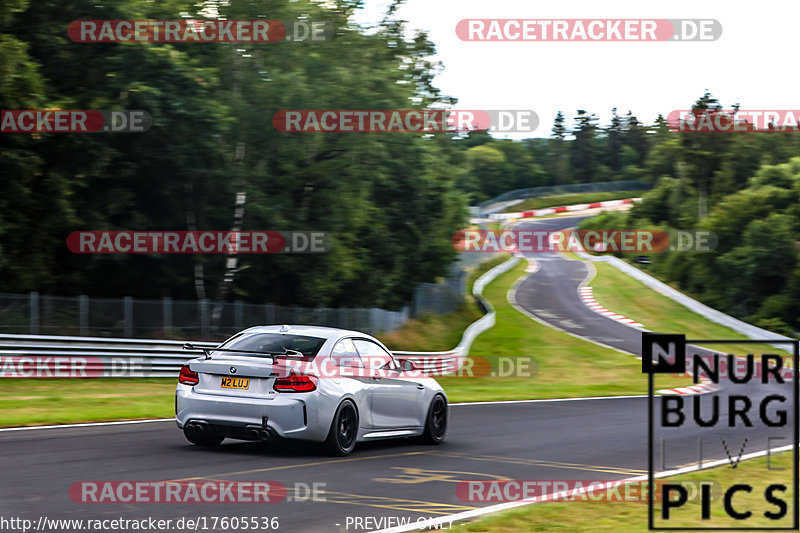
[395, 503]
[412, 475]
[300, 465]
[551, 464]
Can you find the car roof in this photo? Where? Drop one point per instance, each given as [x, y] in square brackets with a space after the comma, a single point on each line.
[313, 331]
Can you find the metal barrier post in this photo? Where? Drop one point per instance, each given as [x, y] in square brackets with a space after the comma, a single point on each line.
[127, 304]
[83, 314]
[238, 314]
[203, 308]
[166, 307]
[34, 312]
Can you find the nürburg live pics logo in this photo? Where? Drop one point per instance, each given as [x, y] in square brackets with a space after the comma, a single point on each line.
[743, 423]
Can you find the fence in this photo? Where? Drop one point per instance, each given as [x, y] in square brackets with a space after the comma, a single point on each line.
[166, 318]
[533, 192]
[51, 356]
[173, 319]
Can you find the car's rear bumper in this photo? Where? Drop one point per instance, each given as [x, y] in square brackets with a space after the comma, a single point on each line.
[288, 416]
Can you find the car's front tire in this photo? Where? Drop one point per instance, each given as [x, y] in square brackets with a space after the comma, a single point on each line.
[203, 438]
[436, 421]
[344, 429]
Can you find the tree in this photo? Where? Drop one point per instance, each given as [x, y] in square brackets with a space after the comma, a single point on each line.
[583, 150]
[614, 144]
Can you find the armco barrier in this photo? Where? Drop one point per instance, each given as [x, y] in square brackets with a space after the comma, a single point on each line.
[749, 330]
[562, 209]
[103, 357]
[492, 205]
[452, 359]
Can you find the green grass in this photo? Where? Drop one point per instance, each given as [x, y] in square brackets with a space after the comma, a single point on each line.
[437, 333]
[567, 366]
[432, 333]
[570, 199]
[631, 516]
[622, 294]
[26, 402]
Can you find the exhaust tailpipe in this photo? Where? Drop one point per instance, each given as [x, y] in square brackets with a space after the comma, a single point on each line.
[194, 427]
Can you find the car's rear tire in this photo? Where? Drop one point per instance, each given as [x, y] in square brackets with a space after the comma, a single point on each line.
[344, 429]
[436, 421]
[203, 438]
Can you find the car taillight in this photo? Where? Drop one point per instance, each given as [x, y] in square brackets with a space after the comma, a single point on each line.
[188, 377]
[296, 383]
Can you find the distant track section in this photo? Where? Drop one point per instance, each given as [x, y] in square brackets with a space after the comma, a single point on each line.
[562, 209]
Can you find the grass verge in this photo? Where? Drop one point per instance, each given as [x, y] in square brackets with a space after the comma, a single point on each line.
[30, 402]
[437, 333]
[565, 366]
[622, 294]
[631, 516]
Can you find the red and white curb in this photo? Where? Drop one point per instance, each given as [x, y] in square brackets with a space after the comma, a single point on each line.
[703, 387]
[532, 267]
[586, 295]
[562, 209]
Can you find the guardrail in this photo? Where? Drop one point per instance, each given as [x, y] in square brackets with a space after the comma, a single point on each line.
[562, 209]
[449, 361]
[490, 206]
[52, 356]
[740, 326]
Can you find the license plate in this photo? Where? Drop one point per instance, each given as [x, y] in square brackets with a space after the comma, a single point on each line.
[235, 383]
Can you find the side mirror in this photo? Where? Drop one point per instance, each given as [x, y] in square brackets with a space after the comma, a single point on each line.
[407, 365]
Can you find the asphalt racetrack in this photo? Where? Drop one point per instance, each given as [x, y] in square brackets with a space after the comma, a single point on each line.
[597, 439]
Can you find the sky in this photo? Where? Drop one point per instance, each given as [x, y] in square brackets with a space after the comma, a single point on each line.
[752, 63]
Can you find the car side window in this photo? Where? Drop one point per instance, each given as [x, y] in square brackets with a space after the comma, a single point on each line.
[344, 353]
[375, 356]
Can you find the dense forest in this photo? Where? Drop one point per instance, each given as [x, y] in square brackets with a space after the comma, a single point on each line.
[743, 187]
[390, 201]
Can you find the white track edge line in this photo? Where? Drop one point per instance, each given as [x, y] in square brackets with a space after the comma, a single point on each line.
[488, 402]
[89, 424]
[432, 523]
[511, 297]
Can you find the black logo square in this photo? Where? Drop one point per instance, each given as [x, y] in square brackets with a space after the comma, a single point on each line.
[669, 351]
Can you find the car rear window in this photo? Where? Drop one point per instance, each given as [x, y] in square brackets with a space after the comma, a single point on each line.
[275, 342]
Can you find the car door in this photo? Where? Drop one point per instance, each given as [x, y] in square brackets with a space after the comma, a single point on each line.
[349, 366]
[396, 399]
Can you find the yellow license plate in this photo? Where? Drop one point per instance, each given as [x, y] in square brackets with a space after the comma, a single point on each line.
[235, 383]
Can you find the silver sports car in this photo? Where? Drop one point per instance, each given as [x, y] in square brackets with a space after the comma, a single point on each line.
[305, 382]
